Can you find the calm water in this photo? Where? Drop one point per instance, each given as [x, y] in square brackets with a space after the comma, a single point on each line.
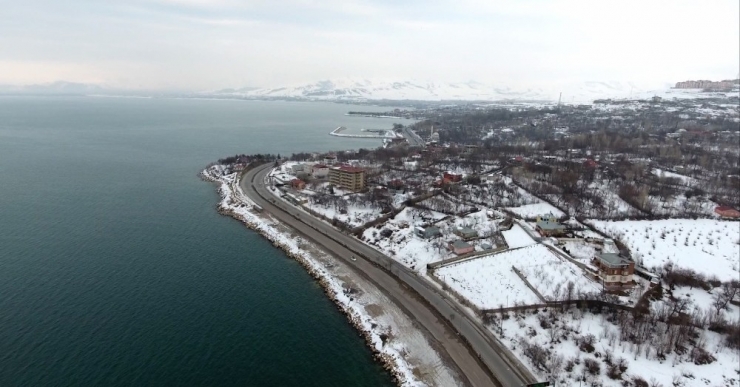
[115, 268]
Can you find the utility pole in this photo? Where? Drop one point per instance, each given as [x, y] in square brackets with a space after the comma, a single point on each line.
[560, 99]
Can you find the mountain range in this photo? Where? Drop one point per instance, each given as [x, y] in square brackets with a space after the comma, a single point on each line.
[369, 90]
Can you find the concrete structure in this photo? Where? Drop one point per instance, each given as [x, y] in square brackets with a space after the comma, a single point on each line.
[330, 160]
[614, 271]
[347, 177]
[461, 247]
[727, 212]
[320, 171]
[428, 232]
[465, 232]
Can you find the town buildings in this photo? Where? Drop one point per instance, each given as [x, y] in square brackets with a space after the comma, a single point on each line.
[347, 177]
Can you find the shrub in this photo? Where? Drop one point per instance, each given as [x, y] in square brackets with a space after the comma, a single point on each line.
[586, 343]
[700, 356]
[592, 366]
[640, 382]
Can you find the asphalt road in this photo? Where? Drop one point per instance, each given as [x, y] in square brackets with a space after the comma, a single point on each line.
[477, 354]
[412, 138]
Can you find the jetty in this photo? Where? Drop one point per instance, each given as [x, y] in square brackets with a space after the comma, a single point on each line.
[378, 133]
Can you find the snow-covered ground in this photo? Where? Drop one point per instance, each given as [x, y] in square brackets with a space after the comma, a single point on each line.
[710, 247]
[354, 215]
[703, 299]
[533, 210]
[581, 250]
[414, 360]
[524, 329]
[403, 245]
[551, 275]
[489, 282]
[517, 237]
[686, 180]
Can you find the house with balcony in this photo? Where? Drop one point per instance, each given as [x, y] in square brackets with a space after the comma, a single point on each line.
[347, 177]
[614, 271]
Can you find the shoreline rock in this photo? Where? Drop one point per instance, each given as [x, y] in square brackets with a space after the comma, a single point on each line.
[389, 362]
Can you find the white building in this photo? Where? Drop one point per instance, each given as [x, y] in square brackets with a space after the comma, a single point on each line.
[320, 171]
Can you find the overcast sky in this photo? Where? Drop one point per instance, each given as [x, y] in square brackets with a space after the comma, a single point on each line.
[210, 44]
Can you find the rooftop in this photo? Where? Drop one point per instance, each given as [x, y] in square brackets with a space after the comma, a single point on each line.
[349, 168]
[547, 225]
[613, 259]
[460, 244]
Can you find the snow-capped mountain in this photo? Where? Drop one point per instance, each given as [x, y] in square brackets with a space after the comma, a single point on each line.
[400, 90]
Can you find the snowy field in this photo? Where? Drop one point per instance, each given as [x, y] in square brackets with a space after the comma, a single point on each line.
[530, 211]
[517, 237]
[552, 276]
[489, 282]
[522, 330]
[706, 246]
[703, 299]
[354, 215]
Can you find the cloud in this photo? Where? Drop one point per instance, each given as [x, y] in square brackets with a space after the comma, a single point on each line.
[207, 44]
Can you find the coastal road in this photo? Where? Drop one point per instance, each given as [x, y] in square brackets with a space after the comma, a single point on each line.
[472, 348]
[412, 138]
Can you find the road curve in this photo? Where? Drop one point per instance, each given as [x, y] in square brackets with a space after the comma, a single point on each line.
[478, 355]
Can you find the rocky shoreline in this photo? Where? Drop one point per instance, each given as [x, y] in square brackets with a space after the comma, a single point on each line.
[390, 362]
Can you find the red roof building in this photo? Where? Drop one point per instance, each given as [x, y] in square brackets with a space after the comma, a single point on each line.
[451, 177]
[298, 184]
[727, 212]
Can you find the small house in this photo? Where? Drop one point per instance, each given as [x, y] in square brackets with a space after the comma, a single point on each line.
[298, 184]
[396, 186]
[590, 164]
[466, 232]
[461, 247]
[427, 232]
[450, 177]
[297, 168]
